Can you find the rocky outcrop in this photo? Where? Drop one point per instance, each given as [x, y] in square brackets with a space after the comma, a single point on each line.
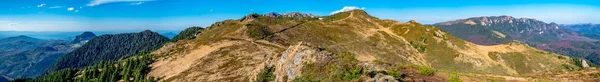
[292, 60]
[291, 14]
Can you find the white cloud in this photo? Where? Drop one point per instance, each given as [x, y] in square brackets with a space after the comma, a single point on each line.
[54, 7]
[99, 2]
[138, 3]
[70, 8]
[76, 10]
[347, 8]
[12, 24]
[41, 5]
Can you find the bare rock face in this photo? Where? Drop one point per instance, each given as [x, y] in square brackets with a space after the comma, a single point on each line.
[584, 63]
[293, 59]
[298, 15]
[272, 14]
[291, 15]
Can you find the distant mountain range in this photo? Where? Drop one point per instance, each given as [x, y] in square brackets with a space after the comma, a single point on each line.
[19, 38]
[547, 36]
[349, 46]
[67, 35]
[25, 57]
[588, 30]
[169, 35]
[501, 29]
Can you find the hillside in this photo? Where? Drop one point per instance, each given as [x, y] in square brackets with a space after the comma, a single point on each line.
[188, 33]
[502, 29]
[24, 43]
[347, 46]
[109, 47]
[22, 59]
[20, 38]
[31, 63]
[588, 30]
[131, 69]
[584, 28]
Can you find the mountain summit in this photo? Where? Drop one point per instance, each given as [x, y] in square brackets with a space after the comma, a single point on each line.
[84, 37]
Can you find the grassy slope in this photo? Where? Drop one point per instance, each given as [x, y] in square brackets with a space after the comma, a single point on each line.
[257, 41]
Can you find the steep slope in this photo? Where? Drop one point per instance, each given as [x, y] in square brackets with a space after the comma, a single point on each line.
[110, 47]
[502, 29]
[347, 46]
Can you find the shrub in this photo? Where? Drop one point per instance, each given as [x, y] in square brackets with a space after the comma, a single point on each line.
[454, 77]
[396, 74]
[266, 75]
[352, 74]
[426, 71]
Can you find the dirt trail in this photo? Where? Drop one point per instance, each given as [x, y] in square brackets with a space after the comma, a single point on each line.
[349, 16]
[173, 66]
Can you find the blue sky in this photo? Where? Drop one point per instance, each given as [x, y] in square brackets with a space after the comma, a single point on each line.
[137, 15]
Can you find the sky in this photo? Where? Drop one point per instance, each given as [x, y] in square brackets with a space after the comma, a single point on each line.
[137, 15]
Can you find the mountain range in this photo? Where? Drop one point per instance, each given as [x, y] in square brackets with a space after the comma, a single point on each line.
[28, 57]
[552, 37]
[347, 46]
[344, 47]
[588, 30]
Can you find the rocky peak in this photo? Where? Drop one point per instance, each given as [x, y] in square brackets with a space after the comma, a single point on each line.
[272, 14]
[291, 14]
[250, 17]
[299, 15]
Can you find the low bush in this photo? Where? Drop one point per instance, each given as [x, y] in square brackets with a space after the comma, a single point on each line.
[426, 71]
